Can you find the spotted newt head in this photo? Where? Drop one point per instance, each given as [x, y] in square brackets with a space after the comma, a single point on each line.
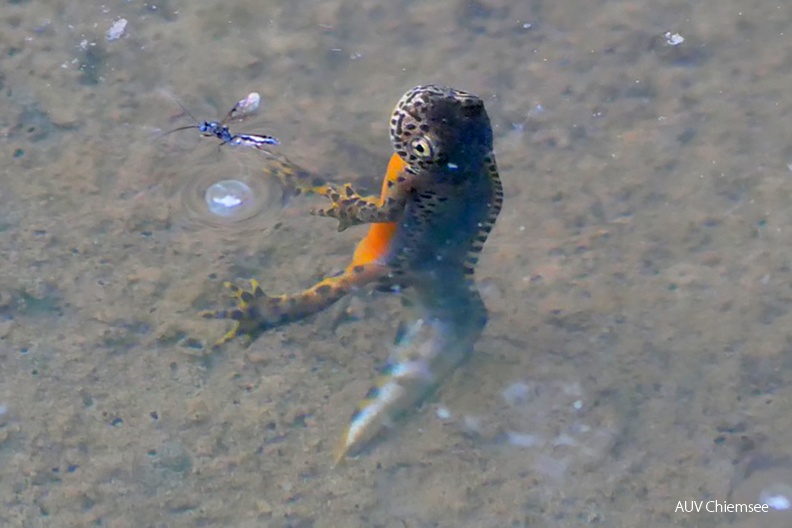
[436, 130]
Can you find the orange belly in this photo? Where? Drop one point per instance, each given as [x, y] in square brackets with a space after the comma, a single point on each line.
[377, 241]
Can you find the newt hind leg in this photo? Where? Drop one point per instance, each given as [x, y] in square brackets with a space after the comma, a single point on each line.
[256, 312]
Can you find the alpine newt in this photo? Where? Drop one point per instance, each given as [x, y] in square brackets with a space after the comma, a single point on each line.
[439, 201]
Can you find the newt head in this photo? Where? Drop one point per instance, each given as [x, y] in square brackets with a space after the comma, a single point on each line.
[438, 130]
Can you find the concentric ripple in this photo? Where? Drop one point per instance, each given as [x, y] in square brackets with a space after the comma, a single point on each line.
[227, 193]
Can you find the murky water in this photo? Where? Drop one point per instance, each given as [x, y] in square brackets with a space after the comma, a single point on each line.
[639, 283]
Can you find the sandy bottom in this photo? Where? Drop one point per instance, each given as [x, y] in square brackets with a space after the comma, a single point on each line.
[638, 352]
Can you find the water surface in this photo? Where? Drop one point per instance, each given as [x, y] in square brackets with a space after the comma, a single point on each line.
[638, 351]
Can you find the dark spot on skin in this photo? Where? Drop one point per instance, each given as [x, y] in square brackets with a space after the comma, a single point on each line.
[355, 415]
[237, 315]
[317, 182]
[246, 296]
[372, 393]
[358, 269]
[323, 290]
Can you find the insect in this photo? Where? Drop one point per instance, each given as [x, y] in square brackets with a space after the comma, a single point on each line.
[219, 129]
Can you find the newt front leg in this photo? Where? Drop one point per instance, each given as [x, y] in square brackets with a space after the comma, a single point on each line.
[350, 208]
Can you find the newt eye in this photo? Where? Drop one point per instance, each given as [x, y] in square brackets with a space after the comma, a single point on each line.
[422, 148]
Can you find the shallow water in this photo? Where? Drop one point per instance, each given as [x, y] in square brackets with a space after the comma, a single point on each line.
[638, 279]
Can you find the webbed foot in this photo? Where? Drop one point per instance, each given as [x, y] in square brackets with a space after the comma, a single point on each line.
[252, 314]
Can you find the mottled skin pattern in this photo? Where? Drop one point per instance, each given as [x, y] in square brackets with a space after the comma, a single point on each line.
[440, 199]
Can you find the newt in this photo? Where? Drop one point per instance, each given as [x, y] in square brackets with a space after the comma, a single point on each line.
[440, 198]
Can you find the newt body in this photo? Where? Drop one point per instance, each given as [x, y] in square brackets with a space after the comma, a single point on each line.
[440, 198]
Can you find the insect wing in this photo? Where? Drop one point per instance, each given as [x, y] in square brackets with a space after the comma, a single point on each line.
[243, 107]
[254, 140]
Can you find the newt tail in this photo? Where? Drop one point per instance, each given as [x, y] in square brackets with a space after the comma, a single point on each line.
[426, 351]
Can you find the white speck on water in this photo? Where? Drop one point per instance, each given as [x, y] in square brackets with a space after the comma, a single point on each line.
[673, 39]
[577, 405]
[775, 500]
[227, 200]
[224, 197]
[443, 413]
[116, 31]
[452, 166]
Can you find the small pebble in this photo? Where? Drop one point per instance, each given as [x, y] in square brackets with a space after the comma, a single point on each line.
[673, 39]
[443, 413]
[116, 31]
